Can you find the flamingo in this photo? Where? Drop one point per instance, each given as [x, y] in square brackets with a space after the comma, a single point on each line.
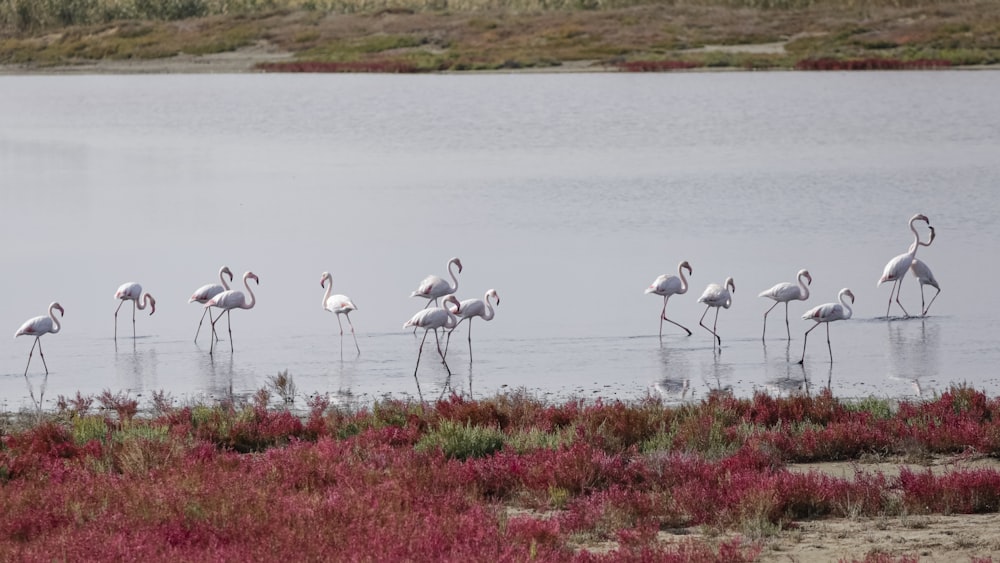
[229, 300]
[896, 268]
[924, 275]
[434, 287]
[469, 308]
[429, 319]
[716, 296]
[131, 291]
[667, 285]
[205, 293]
[827, 313]
[785, 292]
[37, 327]
[339, 305]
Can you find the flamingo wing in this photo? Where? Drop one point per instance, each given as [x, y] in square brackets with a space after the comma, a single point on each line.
[129, 290]
[896, 268]
[782, 292]
[340, 304]
[206, 292]
[231, 299]
[667, 284]
[35, 326]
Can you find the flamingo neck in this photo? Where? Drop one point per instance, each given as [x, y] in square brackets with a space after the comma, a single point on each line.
[489, 308]
[253, 298]
[684, 281]
[843, 301]
[142, 301]
[222, 278]
[803, 288]
[329, 289]
[454, 279]
[55, 322]
[451, 321]
[916, 239]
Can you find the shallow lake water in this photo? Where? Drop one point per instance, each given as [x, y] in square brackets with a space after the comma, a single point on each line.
[566, 193]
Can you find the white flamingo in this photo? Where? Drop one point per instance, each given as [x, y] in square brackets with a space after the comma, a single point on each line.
[339, 305]
[827, 313]
[785, 292]
[717, 296]
[131, 291]
[37, 327]
[667, 285]
[469, 308]
[205, 293]
[897, 267]
[229, 300]
[925, 276]
[429, 319]
[434, 287]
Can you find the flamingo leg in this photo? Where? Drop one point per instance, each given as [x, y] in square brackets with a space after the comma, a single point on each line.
[447, 341]
[714, 328]
[788, 329]
[420, 351]
[230, 327]
[898, 289]
[443, 361]
[830, 348]
[348, 315]
[678, 324]
[891, 291]
[932, 299]
[197, 332]
[116, 319]
[663, 315]
[805, 338]
[133, 322]
[29, 359]
[765, 319]
[701, 322]
[470, 340]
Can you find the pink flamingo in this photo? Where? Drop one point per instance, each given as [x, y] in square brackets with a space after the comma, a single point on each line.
[925, 276]
[339, 305]
[429, 319]
[37, 327]
[827, 313]
[434, 287]
[469, 308]
[205, 293]
[229, 300]
[717, 296]
[131, 291]
[785, 292]
[667, 285]
[897, 267]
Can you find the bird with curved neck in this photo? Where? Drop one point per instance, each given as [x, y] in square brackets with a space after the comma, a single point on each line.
[469, 308]
[39, 326]
[205, 293]
[925, 276]
[132, 291]
[232, 299]
[667, 285]
[897, 267]
[827, 313]
[430, 319]
[339, 305]
[718, 296]
[785, 292]
[433, 287]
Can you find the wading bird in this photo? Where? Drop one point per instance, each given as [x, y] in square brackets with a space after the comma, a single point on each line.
[924, 275]
[897, 267]
[429, 319]
[229, 300]
[205, 293]
[339, 305]
[667, 285]
[434, 287]
[785, 292]
[717, 296]
[827, 313]
[132, 291]
[469, 308]
[37, 327]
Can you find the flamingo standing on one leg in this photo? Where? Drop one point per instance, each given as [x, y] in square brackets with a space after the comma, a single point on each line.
[205, 293]
[716, 296]
[36, 327]
[131, 291]
[897, 267]
[667, 285]
[431, 319]
[434, 287]
[925, 276]
[339, 305]
[469, 308]
[232, 299]
[827, 313]
[785, 292]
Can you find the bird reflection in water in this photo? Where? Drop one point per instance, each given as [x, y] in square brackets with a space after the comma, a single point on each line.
[913, 352]
[790, 378]
[674, 384]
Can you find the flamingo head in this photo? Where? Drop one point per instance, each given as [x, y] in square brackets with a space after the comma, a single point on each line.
[62, 312]
[251, 276]
[687, 267]
[731, 285]
[152, 303]
[920, 217]
[932, 234]
[226, 270]
[454, 301]
[807, 275]
[324, 277]
[849, 293]
[493, 293]
[457, 262]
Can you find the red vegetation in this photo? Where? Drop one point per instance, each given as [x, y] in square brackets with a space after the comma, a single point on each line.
[394, 67]
[871, 64]
[657, 66]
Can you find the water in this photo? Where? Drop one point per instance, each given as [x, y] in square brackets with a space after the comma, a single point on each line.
[568, 194]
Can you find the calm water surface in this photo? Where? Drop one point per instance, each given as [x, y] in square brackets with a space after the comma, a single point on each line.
[568, 194]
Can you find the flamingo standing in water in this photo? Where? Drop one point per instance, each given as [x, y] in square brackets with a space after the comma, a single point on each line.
[785, 292]
[925, 276]
[827, 313]
[339, 305]
[717, 296]
[469, 308]
[434, 287]
[429, 319]
[229, 300]
[37, 327]
[205, 293]
[897, 267]
[131, 291]
[667, 285]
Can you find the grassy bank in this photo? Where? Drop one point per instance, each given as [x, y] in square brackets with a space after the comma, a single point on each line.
[508, 478]
[436, 35]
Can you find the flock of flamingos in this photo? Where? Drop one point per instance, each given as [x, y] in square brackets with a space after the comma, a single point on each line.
[449, 316]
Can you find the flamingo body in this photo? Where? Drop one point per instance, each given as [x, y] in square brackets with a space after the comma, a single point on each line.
[232, 299]
[132, 291]
[205, 293]
[667, 285]
[433, 287]
[467, 309]
[897, 267]
[718, 296]
[431, 318]
[925, 276]
[339, 305]
[828, 313]
[785, 292]
[37, 327]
